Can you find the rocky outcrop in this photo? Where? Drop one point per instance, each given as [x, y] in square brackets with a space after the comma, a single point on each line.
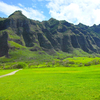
[3, 44]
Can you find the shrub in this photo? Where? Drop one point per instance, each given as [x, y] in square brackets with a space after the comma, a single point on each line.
[88, 64]
[68, 63]
[20, 65]
[1, 66]
[80, 65]
[95, 62]
[33, 65]
[71, 62]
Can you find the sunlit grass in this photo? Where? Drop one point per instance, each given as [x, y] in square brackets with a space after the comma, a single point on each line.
[60, 83]
[82, 59]
[2, 72]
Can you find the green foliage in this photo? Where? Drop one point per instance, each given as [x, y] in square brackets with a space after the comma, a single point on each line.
[13, 36]
[16, 45]
[2, 19]
[39, 59]
[24, 55]
[20, 65]
[2, 66]
[81, 61]
[79, 52]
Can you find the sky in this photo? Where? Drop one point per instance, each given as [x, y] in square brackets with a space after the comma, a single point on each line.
[74, 11]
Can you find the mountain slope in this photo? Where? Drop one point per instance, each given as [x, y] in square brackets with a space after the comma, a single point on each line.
[50, 36]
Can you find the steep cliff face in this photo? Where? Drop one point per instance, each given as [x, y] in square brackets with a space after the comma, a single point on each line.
[69, 36]
[3, 44]
[49, 36]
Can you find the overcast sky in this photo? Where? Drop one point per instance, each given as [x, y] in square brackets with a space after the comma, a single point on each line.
[74, 11]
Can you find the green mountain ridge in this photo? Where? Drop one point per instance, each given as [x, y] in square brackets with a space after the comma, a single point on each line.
[52, 36]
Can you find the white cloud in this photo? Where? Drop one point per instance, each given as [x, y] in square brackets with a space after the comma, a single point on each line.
[20, 5]
[75, 11]
[29, 12]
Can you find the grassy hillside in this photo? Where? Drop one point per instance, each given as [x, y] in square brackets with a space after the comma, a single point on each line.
[20, 54]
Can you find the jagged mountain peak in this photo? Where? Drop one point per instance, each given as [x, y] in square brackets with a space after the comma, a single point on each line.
[52, 19]
[17, 14]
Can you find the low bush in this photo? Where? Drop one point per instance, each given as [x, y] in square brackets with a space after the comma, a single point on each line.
[88, 64]
[68, 63]
[20, 65]
[93, 62]
[80, 65]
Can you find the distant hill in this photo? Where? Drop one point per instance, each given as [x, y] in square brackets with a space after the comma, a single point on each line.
[17, 31]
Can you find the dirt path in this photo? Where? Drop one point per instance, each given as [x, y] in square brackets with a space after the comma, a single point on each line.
[12, 73]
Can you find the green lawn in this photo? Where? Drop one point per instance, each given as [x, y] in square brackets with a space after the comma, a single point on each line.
[60, 83]
[2, 72]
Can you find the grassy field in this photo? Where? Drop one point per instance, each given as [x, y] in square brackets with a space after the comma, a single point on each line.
[60, 83]
[2, 72]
